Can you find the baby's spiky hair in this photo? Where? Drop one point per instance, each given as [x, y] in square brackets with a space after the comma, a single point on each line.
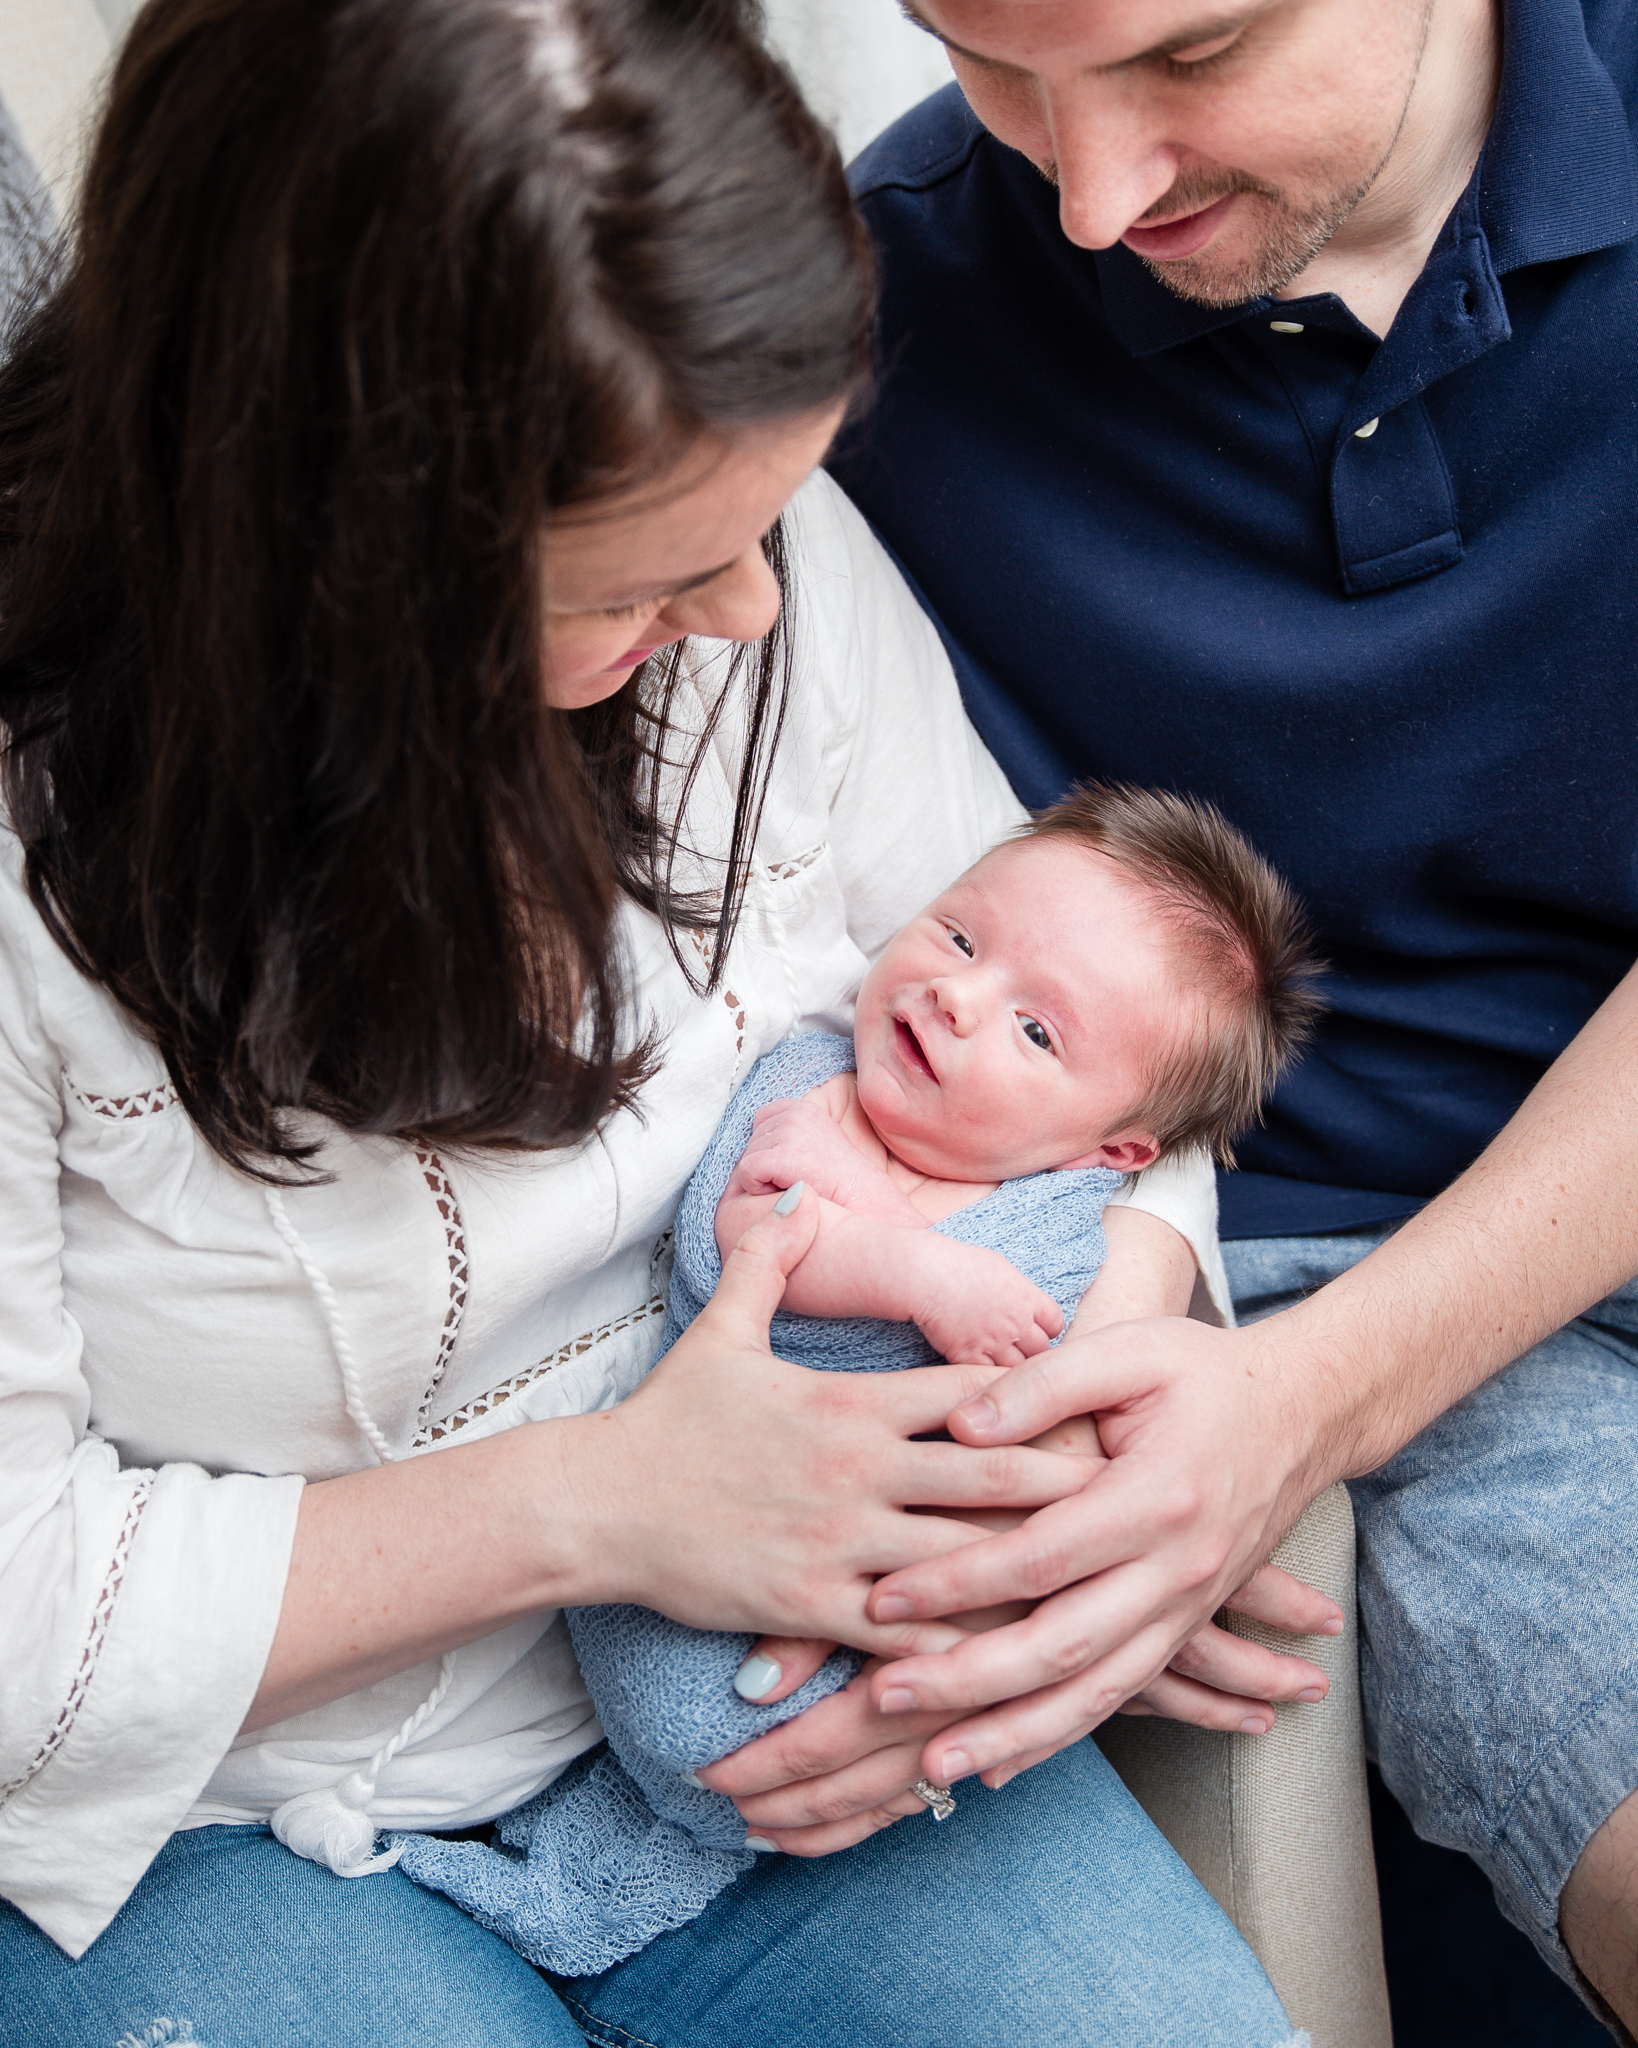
[1243, 942]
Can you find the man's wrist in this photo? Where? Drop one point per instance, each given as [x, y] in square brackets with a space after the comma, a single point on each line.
[1331, 1413]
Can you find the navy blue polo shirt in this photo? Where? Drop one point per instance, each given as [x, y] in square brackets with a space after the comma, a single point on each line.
[1378, 600]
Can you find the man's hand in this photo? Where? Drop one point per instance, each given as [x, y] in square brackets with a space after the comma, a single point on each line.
[1205, 1474]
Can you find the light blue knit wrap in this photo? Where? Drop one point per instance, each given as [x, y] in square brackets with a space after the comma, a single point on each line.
[616, 1852]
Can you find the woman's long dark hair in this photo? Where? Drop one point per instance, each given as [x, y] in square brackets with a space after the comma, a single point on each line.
[360, 290]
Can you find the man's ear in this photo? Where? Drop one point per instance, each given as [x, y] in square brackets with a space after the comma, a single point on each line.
[1130, 1152]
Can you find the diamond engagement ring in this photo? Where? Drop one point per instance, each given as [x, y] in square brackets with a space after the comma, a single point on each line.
[938, 1797]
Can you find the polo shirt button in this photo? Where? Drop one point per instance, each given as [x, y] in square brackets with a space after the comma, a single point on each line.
[1365, 432]
[1286, 326]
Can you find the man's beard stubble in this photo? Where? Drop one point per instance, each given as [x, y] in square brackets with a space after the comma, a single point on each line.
[1290, 240]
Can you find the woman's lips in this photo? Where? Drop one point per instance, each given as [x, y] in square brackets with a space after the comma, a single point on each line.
[910, 1049]
[1175, 239]
[632, 656]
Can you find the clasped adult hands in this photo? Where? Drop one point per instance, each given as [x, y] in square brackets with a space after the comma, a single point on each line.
[733, 1490]
[1209, 1462]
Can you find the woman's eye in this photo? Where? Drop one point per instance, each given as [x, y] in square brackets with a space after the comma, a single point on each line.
[962, 941]
[1037, 1034]
[625, 611]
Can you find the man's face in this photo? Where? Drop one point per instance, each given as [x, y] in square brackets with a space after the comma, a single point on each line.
[1224, 141]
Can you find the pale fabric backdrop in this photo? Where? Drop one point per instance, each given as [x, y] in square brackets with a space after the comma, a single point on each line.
[859, 62]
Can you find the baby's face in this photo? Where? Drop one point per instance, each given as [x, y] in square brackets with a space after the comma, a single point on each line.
[1011, 1026]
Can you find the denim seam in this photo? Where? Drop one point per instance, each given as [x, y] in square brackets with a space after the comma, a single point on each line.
[584, 2014]
[1501, 1841]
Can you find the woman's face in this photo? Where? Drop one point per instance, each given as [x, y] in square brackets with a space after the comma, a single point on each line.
[676, 556]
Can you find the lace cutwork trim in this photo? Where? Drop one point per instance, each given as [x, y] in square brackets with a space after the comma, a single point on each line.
[449, 1208]
[736, 1009]
[119, 1109]
[101, 1615]
[798, 864]
[474, 1411]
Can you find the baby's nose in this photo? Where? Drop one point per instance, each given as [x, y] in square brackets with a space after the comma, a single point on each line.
[957, 1001]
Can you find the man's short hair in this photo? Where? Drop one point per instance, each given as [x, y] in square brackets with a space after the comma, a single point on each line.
[1241, 940]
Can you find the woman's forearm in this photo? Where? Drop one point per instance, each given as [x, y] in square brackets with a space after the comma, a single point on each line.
[399, 1563]
[731, 1490]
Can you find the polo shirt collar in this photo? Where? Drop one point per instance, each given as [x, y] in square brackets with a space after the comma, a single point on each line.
[1558, 177]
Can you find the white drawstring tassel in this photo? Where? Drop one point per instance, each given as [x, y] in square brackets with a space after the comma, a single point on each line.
[333, 1825]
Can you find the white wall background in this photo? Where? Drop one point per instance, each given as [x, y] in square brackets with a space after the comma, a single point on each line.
[859, 62]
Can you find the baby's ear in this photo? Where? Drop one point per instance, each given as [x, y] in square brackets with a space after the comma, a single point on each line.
[1130, 1152]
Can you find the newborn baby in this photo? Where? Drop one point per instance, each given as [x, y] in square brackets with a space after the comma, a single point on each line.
[1123, 978]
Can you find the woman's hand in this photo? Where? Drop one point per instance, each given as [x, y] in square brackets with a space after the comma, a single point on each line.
[834, 1775]
[733, 1490]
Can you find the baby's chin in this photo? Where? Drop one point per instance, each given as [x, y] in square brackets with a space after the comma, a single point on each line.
[925, 1151]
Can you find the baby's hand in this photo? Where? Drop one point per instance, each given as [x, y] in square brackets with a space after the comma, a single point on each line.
[799, 1140]
[981, 1310]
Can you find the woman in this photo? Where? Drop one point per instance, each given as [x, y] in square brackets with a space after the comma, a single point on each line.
[391, 902]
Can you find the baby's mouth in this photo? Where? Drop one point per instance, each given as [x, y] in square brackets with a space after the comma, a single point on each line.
[910, 1049]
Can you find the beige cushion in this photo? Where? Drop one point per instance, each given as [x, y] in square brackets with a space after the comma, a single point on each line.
[1276, 1826]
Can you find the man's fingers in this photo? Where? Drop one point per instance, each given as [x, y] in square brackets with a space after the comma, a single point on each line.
[1078, 1628]
[1043, 1722]
[1176, 1698]
[1274, 1596]
[1072, 1379]
[754, 1273]
[1110, 1521]
[1229, 1664]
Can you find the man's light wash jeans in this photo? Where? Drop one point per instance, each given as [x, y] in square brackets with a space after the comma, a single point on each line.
[1498, 1593]
[1049, 1913]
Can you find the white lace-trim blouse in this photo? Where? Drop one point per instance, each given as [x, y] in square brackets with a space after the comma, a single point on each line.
[169, 1371]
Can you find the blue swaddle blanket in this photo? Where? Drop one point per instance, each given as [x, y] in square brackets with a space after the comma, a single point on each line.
[622, 1847]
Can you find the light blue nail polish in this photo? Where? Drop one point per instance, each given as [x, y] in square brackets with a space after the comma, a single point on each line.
[757, 1676]
[762, 1845]
[789, 1199]
[698, 1783]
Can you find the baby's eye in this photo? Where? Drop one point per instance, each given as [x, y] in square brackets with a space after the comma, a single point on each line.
[1037, 1034]
[961, 939]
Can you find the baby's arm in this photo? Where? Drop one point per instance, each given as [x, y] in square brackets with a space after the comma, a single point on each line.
[875, 1254]
[970, 1303]
[803, 1140]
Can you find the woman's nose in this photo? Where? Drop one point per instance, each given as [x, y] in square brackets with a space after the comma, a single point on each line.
[740, 604]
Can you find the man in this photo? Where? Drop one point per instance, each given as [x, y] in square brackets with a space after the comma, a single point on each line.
[1258, 417]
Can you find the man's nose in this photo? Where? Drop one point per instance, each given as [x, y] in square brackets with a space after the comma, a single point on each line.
[1112, 157]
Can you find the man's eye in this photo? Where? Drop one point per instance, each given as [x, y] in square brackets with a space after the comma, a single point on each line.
[1197, 61]
[961, 939]
[1037, 1034]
